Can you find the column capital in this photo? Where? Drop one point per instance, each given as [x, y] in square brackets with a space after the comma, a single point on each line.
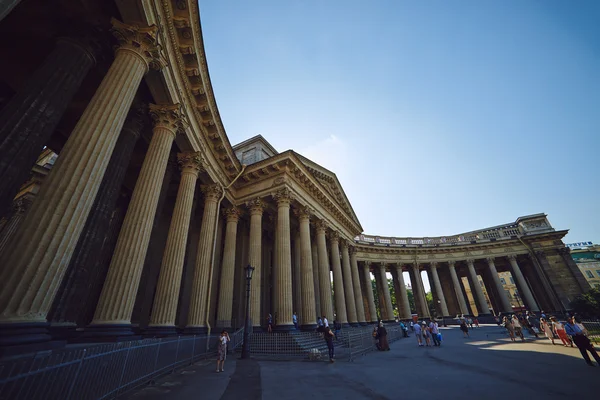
[212, 191]
[382, 265]
[141, 41]
[434, 264]
[539, 253]
[283, 196]
[351, 250]
[321, 226]
[256, 206]
[232, 214]
[367, 265]
[303, 212]
[512, 258]
[333, 236]
[190, 162]
[344, 244]
[398, 267]
[169, 117]
[490, 260]
[564, 250]
[470, 261]
[21, 205]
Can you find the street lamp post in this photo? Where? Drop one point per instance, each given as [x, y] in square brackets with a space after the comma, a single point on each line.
[245, 346]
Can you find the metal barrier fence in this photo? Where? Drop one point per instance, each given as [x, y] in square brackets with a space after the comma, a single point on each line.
[593, 328]
[101, 371]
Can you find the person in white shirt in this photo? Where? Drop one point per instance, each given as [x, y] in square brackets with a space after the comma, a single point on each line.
[222, 350]
[325, 322]
[433, 328]
[418, 334]
[517, 327]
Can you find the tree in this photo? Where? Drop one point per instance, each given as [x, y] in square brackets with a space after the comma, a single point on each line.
[587, 305]
[411, 300]
[430, 305]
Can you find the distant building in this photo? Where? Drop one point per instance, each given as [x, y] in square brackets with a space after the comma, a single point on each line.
[588, 261]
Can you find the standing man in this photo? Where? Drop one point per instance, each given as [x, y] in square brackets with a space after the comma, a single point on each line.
[433, 327]
[418, 334]
[581, 341]
[295, 319]
[328, 336]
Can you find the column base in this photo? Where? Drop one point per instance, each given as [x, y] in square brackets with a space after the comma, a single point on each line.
[196, 330]
[108, 333]
[344, 325]
[308, 327]
[363, 323]
[354, 324]
[20, 333]
[65, 332]
[160, 331]
[257, 329]
[284, 328]
[389, 321]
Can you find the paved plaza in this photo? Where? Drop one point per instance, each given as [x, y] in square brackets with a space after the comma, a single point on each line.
[485, 366]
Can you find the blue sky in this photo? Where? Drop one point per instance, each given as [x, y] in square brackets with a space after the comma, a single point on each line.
[438, 117]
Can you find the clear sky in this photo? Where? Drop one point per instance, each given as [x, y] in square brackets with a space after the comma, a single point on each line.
[438, 117]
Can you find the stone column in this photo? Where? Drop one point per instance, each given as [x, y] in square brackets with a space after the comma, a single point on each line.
[31, 116]
[476, 287]
[524, 290]
[324, 278]
[417, 287]
[309, 318]
[225, 304]
[358, 301]
[369, 290]
[197, 316]
[256, 207]
[115, 307]
[504, 301]
[458, 289]
[348, 286]
[283, 264]
[402, 295]
[438, 289]
[20, 207]
[297, 278]
[317, 287]
[44, 244]
[338, 280]
[164, 310]
[83, 271]
[386, 295]
[565, 253]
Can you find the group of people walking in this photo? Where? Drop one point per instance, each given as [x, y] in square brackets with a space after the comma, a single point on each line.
[427, 334]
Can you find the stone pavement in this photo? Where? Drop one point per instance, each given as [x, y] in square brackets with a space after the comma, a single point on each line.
[485, 366]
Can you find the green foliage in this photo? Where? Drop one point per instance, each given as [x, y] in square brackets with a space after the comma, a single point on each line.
[587, 305]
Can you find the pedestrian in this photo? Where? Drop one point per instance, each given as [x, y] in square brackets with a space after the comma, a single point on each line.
[581, 341]
[295, 320]
[545, 327]
[464, 328]
[270, 323]
[412, 327]
[404, 329]
[470, 322]
[433, 329]
[518, 328]
[509, 328]
[329, 336]
[382, 337]
[325, 322]
[559, 329]
[476, 322]
[418, 334]
[338, 327]
[222, 350]
[426, 334]
[319, 322]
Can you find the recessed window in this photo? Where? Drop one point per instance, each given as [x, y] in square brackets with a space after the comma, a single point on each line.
[589, 274]
[503, 281]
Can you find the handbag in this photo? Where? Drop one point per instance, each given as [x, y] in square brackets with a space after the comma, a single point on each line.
[439, 336]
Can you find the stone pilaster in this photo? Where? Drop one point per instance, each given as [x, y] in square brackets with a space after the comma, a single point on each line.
[164, 311]
[402, 295]
[283, 264]
[44, 245]
[369, 291]
[31, 116]
[115, 307]
[553, 286]
[317, 288]
[458, 289]
[417, 287]
[323, 271]
[20, 207]
[358, 302]
[524, 290]
[84, 271]
[438, 289]
[348, 286]
[504, 301]
[338, 281]
[198, 316]
[225, 303]
[309, 318]
[256, 207]
[386, 294]
[565, 253]
[482, 304]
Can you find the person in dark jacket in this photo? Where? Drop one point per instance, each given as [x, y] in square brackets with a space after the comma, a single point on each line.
[329, 336]
[382, 336]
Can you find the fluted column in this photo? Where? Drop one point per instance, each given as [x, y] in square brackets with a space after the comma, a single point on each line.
[308, 316]
[417, 287]
[482, 302]
[31, 116]
[358, 302]
[164, 310]
[402, 296]
[348, 286]
[386, 294]
[283, 262]
[504, 301]
[256, 207]
[84, 271]
[438, 289]
[115, 306]
[42, 248]
[297, 278]
[524, 290]
[197, 314]
[457, 289]
[324, 277]
[338, 281]
[317, 288]
[369, 290]
[225, 304]
[20, 207]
